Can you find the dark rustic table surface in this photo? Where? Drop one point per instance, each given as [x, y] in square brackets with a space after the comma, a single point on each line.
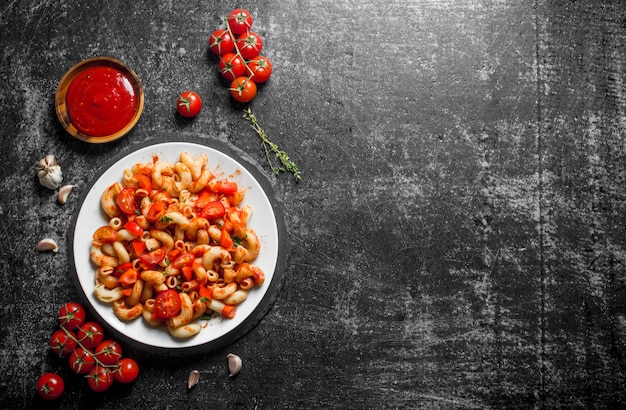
[458, 239]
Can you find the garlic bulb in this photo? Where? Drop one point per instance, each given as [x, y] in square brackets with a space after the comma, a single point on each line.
[49, 172]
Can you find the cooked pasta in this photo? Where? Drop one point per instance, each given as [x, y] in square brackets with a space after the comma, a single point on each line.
[176, 247]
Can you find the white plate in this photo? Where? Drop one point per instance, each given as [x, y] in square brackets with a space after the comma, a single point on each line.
[91, 216]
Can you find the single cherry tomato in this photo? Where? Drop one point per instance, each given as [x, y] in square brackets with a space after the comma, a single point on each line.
[231, 66]
[50, 386]
[167, 304]
[213, 210]
[155, 212]
[90, 334]
[225, 187]
[63, 342]
[134, 228]
[189, 104]
[261, 68]
[243, 89]
[72, 315]
[249, 44]
[99, 379]
[105, 234]
[185, 259]
[108, 352]
[155, 257]
[221, 42]
[239, 21]
[126, 201]
[126, 370]
[82, 360]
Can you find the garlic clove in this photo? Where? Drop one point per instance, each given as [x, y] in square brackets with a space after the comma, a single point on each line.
[193, 379]
[47, 244]
[49, 172]
[64, 192]
[234, 364]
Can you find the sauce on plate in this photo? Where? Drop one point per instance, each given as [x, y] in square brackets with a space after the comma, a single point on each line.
[101, 101]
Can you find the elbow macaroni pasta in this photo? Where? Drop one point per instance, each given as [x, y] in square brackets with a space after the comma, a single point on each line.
[174, 226]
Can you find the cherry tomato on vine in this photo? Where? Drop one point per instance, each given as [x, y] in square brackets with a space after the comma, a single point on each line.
[63, 342]
[249, 44]
[166, 304]
[90, 334]
[261, 68]
[231, 66]
[108, 352]
[243, 89]
[189, 104]
[99, 379]
[126, 371]
[82, 361]
[72, 315]
[221, 42]
[50, 386]
[239, 21]
[126, 201]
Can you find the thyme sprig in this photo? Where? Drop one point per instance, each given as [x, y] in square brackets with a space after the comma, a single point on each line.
[287, 163]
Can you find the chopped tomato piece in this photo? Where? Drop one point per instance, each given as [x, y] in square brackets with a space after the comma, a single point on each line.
[212, 210]
[105, 234]
[167, 304]
[226, 241]
[204, 198]
[139, 247]
[186, 259]
[134, 228]
[120, 269]
[144, 182]
[225, 187]
[205, 293]
[229, 311]
[187, 273]
[155, 212]
[155, 257]
[128, 278]
[127, 292]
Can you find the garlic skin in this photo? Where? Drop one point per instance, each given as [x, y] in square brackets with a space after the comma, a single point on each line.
[64, 192]
[193, 379]
[234, 364]
[47, 244]
[49, 172]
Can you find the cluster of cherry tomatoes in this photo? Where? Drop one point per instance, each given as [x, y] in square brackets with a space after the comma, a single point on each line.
[90, 354]
[239, 49]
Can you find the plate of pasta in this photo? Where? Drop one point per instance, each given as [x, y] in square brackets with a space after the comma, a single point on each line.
[175, 247]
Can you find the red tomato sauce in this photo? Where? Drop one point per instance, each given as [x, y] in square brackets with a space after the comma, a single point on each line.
[101, 101]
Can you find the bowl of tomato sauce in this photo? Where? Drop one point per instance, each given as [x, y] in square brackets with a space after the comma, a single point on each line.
[99, 100]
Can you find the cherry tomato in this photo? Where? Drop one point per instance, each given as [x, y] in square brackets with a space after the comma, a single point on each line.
[249, 44]
[155, 257]
[261, 68]
[108, 352]
[90, 334]
[82, 361]
[225, 187]
[231, 66]
[239, 21]
[189, 104]
[221, 42]
[99, 379]
[126, 370]
[126, 201]
[243, 89]
[167, 304]
[63, 342]
[72, 315]
[50, 386]
[105, 234]
[213, 210]
[134, 228]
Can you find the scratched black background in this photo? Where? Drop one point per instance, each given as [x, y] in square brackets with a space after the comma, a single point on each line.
[459, 236]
